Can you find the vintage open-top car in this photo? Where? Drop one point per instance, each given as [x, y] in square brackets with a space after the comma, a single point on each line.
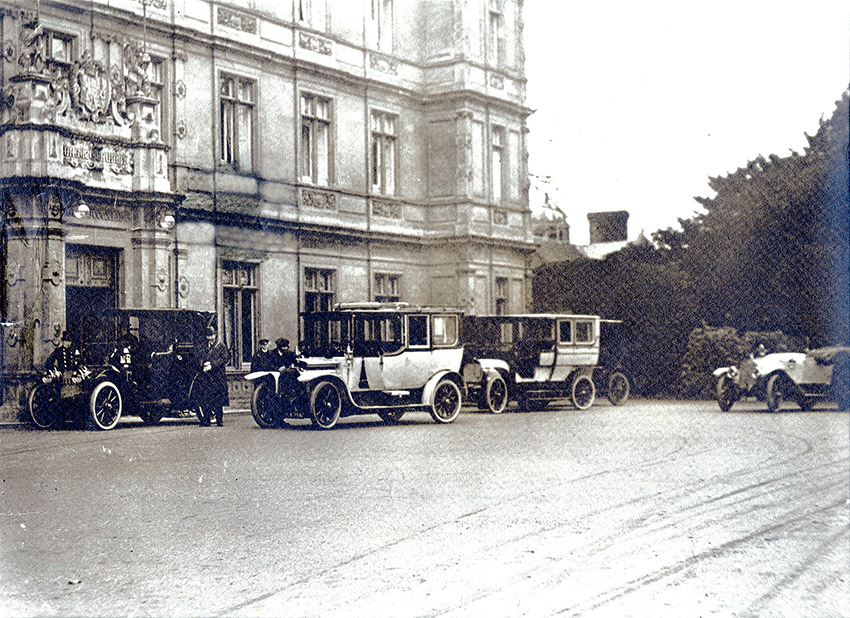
[366, 358]
[138, 362]
[536, 358]
[802, 377]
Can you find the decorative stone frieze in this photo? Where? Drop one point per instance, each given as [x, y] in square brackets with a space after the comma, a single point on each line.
[385, 208]
[318, 199]
[500, 217]
[315, 44]
[237, 21]
[384, 64]
[497, 81]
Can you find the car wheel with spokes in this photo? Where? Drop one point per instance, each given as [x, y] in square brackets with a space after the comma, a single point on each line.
[264, 407]
[45, 407]
[726, 392]
[496, 395]
[583, 392]
[775, 393]
[618, 388]
[325, 405]
[105, 406]
[445, 401]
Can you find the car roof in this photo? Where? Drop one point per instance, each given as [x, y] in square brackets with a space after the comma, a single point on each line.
[381, 307]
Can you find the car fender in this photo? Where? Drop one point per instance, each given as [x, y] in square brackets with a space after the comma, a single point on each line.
[431, 384]
[256, 375]
[725, 371]
[491, 366]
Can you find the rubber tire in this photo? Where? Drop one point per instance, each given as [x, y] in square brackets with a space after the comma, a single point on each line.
[445, 401]
[39, 399]
[619, 388]
[325, 405]
[391, 417]
[496, 395]
[105, 406]
[264, 406]
[774, 395]
[726, 393]
[582, 392]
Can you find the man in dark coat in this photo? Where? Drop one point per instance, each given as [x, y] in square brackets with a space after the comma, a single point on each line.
[262, 360]
[66, 357]
[213, 392]
[282, 357]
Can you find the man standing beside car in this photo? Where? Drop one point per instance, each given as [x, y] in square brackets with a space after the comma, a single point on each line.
[262, 360]
[213, 395]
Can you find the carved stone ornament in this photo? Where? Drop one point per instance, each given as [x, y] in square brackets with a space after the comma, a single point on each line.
[12, 337]
[237, 21]
[180, 89]
[161, 280]
[318, 199]
[382, 208]
[181, 129]
[384, 64]
[53, 272]
[315, 44]
[90, 89]
[183, 286]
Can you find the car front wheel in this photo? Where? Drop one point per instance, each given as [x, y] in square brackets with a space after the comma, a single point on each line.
[105, 406]
[445, 401]
[774, 392]
[264, 406]
[325, 405]
[727, 393]
[583, 392]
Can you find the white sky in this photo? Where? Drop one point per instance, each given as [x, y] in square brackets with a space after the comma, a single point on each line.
[638, 103]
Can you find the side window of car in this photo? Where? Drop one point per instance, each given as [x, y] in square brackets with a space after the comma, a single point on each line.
[417, 331]
[565, 331]
[584, 331]
[444, 330]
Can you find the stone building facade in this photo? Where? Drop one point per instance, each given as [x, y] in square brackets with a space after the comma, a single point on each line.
[256, 158]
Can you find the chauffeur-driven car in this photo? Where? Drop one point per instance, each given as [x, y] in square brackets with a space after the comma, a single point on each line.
[535, 358]
[366, 358]
[137, 361]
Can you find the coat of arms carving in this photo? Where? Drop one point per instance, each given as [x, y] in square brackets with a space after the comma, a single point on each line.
[90, 89]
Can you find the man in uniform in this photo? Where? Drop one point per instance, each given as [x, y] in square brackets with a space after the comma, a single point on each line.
[66, 357]
[213, 391]
[262, 360]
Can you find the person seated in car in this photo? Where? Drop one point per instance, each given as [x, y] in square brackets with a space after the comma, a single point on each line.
[263, 359]
[282, 357]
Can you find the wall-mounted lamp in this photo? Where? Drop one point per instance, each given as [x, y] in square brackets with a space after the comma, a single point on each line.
[167, 222]
[81, 210]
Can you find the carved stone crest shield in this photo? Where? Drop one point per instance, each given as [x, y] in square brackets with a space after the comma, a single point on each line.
[90, 89]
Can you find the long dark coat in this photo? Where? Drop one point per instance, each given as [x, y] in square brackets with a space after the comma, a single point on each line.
[214, 381]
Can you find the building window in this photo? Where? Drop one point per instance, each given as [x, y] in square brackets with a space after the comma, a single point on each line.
[384, 152]
[239, 284]
[501, 295]
[319, 289]
[387, 288]
[237, 98]
[381, 18]
[497, 162]
[315, 139]
[497, 32]
[312, 13]
[60, 47]
[156, 79]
